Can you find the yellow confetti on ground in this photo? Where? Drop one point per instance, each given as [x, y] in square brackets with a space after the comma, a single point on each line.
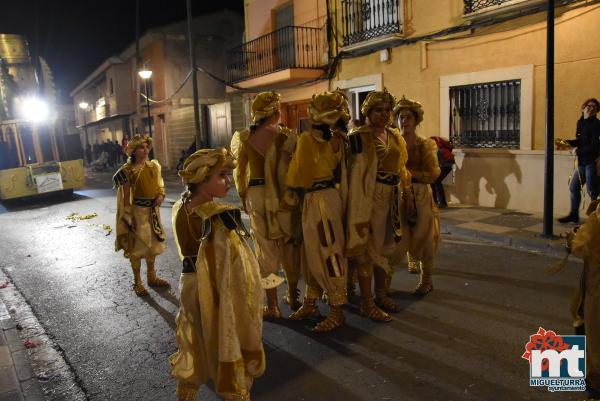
[106, 228]
[78, 217]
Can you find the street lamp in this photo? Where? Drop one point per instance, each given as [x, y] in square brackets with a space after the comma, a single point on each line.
[34, 110]
[84, 106]
[145, 75]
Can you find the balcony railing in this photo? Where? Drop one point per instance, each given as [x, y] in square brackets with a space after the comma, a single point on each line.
[368, 19]
[285, 48]
[475, 5]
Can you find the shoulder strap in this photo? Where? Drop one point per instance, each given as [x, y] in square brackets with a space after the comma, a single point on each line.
[232, 220]
[120, 177]
[206, 229]
[355, 143]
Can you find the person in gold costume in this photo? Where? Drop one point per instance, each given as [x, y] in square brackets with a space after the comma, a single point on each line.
[318, 172]
[219, 324]
[262, 151]
[140, 192]
[585, 243]
[422, 239]
[378, 184]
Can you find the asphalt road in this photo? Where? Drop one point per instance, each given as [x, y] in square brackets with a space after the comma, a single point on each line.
[463, 341]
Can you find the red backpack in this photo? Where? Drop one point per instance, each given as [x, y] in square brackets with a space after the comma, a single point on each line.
[445, 148]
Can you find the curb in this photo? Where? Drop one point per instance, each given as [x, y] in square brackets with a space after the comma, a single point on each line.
[554, 247]
[17, 381]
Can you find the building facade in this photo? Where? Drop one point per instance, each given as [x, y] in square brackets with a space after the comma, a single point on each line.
[116, 93]
[285, 50]
[479, 69]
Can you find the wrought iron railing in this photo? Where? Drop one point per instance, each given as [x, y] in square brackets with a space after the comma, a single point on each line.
[486, 115]
[287, 47]
[475, 5]
[367, 19]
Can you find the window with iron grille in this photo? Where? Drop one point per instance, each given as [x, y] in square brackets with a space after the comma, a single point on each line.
[486, 115]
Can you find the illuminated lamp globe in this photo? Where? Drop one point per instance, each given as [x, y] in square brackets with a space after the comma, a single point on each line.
[34, 109]
[145, 74]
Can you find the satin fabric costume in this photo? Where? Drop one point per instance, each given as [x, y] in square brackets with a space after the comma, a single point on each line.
[312, 170]
[423, 238]
[261, 184]
[374, 218]
[145, 238]
[219, 324]
[586, 305]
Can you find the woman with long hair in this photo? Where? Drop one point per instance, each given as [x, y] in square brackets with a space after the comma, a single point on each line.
[423, 237]
[318, 172]
[140, 192]
[259, 151]
[379, 187]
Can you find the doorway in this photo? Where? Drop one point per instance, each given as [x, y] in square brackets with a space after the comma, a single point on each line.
[219, 124]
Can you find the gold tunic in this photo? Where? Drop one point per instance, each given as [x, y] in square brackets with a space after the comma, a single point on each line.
[219, 324]
[370, 230]
[324, 263]
[423, 239]
[261, 202]
[146, 238]
[586, 245]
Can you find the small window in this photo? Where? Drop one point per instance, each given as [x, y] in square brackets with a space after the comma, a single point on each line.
[111, 90]
[486, 115]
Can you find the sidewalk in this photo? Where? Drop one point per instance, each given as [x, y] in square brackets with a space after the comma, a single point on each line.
[17, 381]
[506, 227]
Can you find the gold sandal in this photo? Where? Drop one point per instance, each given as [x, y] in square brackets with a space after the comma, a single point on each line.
[140, 290]
[271, 312]
[370, 310]
[413, 267]
[424, 288]
[157, 282]
[307, 310]
[291, 298]
[334, 320]
[384, 302]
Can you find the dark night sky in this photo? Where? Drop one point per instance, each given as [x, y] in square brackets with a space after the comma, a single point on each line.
[75, 36]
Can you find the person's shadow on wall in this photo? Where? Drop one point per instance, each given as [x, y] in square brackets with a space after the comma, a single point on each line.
[493, 168]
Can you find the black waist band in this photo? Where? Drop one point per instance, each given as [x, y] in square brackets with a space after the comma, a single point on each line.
[256, 182]
[143, 202]
[189, 264]
[387, 178]
[319, 185]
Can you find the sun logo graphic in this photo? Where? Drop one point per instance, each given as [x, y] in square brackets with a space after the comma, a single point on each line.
[556, 362]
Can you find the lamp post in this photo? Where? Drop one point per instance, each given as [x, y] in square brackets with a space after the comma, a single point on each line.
[84, 106]
[145, 75]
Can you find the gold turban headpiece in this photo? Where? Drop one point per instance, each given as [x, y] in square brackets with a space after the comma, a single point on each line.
[205, 162]
[328, 108]
[265, 104]
[374, 98]
[137, 141]
[411, 105]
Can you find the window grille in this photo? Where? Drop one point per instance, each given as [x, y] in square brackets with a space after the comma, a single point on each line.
[367, 19]
[475, 5]
[486, 115]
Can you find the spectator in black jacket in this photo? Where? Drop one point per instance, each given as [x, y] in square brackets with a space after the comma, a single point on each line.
[587, 144]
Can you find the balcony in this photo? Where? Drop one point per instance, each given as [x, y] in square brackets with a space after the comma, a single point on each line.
[478, 9]
[364, 20]
[291, 52]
